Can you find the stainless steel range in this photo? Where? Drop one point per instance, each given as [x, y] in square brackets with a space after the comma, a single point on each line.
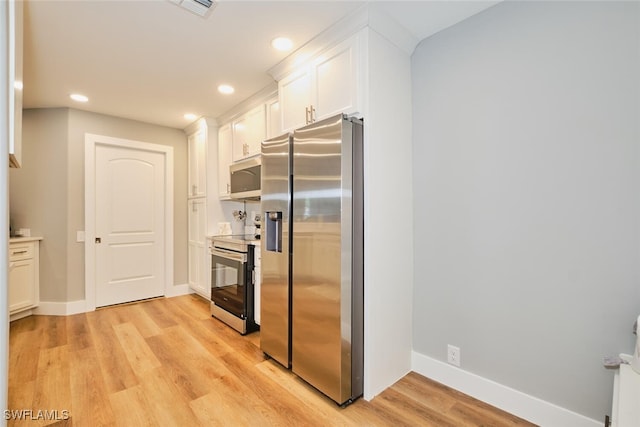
[232, 281]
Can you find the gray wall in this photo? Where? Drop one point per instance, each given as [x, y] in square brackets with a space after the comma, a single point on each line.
[527, 202]
[38, 194]
[48, 193]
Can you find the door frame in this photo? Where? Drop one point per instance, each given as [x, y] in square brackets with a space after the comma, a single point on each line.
[91, 142]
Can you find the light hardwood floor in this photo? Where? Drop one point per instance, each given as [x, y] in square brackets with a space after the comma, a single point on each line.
[166, 362]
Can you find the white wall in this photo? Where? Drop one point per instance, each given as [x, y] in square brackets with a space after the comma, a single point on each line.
[526, 168]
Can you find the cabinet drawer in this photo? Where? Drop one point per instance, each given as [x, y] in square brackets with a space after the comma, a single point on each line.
[18, 251]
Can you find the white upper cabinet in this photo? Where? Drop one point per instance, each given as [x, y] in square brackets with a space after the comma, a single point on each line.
[225, 142]
[197, 152]
[295, 99]
[273, 118]
[329, 84]
[248, 133]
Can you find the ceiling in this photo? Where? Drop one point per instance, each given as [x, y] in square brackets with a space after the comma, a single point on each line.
[152, 61]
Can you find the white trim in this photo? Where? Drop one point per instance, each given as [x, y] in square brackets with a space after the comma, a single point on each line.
[178, 290]
[513, 401]
[260, 97]
[338, 32]
[54, 308]
[91, 140]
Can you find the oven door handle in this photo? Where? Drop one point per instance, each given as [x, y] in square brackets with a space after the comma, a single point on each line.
[228, 254]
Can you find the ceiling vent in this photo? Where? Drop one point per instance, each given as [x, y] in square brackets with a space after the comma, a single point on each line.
[199, 7]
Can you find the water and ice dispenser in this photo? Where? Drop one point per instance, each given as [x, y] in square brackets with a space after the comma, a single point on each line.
[273, 231]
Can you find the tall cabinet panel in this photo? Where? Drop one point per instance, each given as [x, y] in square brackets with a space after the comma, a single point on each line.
[197, 205]
[198, 278]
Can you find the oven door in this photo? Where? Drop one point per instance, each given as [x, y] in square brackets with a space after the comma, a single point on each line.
[228, 280]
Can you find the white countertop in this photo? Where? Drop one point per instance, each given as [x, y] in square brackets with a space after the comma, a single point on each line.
[24, 239]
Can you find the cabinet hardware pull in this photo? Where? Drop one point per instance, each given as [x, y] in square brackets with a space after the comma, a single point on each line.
[194, 189]
[313, 114]
[306, 115]
[228, 188]
[18, 252]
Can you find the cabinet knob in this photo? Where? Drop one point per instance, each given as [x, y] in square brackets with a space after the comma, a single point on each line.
[98, 240]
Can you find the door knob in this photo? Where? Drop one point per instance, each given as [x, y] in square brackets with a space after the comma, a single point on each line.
[98, 240]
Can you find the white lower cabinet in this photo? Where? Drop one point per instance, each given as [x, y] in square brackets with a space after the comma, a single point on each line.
[24, 276]
[198, 271]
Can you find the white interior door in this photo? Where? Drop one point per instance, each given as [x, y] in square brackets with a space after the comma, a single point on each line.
[129, 242]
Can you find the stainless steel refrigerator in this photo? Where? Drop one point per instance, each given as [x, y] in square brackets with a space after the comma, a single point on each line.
[312, 255]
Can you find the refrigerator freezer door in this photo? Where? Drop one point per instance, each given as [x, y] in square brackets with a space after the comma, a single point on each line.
[275, 290]
[322, 257]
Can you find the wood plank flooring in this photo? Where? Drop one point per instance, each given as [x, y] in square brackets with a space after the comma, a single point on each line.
[166, 362]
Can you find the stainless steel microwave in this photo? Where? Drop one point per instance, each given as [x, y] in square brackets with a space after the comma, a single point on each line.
[245, 179]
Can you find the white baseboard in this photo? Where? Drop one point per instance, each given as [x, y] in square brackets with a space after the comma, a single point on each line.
[60, 308]
[51, 308]
[513, 401]
[177, 290]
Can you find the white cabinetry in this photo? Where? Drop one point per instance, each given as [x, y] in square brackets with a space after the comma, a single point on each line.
[274, 125]
[225, 142]
[198, 163]
[625, 409]
[198, 147]
[198, 278]
[24, 276]
[329, 84]
[248, 133]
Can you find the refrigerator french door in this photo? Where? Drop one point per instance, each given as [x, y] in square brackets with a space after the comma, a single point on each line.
[312, 254]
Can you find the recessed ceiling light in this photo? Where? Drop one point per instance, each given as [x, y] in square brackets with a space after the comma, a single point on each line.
[190, 116]
[17, 85]
[226, 89]
[79, 98]
[282, 43]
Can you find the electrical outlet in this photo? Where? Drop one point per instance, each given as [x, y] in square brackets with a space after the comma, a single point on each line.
[453, 355]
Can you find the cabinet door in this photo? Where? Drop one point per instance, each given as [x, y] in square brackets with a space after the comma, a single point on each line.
[197, 164]
[248, 133]
[294, 92]
[273, 118]
[225, 141]
[257, 130]
[22, 282]
[198, 246]
[336, 80]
